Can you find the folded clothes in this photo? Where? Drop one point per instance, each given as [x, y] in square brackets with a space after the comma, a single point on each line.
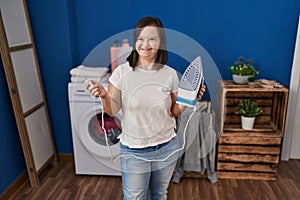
[269, 83]
[82, 79]
[83, 71]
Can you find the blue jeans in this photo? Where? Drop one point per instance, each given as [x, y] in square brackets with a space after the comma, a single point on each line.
[148, 169]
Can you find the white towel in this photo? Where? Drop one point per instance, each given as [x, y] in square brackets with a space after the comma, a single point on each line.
[83, 71]
[82, 79]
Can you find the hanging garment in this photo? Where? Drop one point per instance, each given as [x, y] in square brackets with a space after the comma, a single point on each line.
[201, 140]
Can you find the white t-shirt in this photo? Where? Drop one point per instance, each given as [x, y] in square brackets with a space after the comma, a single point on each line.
[146, 103]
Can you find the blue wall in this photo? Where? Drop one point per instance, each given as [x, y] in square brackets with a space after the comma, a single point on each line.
[65, 31]
[11, 156]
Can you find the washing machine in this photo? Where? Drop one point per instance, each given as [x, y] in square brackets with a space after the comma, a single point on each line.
[91, 154]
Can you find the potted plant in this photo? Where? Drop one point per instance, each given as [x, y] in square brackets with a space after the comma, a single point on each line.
[248, 109]
[243, 70]
[251, 82]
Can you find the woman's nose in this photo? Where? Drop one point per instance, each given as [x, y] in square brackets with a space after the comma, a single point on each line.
[145, 43]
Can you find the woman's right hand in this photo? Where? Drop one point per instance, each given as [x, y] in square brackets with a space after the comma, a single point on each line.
[96, 89]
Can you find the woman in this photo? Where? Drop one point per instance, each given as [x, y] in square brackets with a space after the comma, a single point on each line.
[145, 88]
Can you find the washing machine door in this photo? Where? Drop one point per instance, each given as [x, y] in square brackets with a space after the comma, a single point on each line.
[92, 135]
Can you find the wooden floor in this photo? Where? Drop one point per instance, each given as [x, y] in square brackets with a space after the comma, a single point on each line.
[61, 183]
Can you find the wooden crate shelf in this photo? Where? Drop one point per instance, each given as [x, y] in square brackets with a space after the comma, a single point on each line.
[247, 175]
[253, 154]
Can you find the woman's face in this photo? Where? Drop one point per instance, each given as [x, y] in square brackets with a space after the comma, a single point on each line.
[147, 43]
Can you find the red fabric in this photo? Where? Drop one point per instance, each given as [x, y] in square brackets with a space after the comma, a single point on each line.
[109, 123]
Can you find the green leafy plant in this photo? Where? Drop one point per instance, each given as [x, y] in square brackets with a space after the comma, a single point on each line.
[248, 108]
[244, 67]
[251, 78]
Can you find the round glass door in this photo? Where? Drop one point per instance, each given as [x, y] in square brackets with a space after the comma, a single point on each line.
[112, 127]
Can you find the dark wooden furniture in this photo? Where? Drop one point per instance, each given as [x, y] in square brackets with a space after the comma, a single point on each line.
[251, 154]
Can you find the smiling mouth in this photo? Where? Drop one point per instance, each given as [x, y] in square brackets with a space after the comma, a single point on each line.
[146, 50]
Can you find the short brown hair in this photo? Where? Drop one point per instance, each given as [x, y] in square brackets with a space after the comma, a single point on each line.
[162, 54]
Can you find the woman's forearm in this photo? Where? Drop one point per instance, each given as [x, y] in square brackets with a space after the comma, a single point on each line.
[110, 106]
[177, 109]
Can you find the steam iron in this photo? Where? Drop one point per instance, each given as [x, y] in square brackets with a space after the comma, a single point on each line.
[190, 83]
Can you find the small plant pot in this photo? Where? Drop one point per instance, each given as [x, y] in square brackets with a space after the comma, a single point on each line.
[251, 84]
[240, 79]
[247, 122]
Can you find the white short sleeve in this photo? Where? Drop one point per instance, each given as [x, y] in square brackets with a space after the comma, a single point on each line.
[175, 82]
[116, 78]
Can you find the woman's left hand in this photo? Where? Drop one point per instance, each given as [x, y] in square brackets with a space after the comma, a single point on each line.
[201, 91]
